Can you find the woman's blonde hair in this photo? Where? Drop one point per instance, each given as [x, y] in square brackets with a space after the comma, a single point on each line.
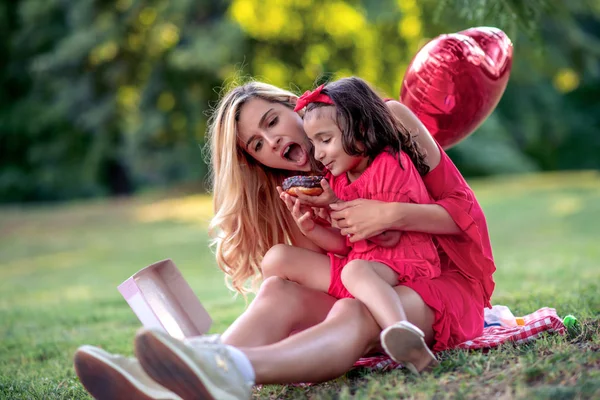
[249, 218]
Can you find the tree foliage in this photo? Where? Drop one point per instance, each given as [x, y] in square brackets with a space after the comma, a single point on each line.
[103, 97]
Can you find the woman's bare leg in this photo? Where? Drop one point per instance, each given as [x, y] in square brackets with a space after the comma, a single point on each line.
[322, 352]
[319, 353]
[329, 349]
[280, 307]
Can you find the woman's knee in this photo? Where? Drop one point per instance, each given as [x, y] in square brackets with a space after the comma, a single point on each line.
[275, 289]
[352, 309]
[274, 261]
[358, 319]
[276, 296]
[282, 293]
[290, 300]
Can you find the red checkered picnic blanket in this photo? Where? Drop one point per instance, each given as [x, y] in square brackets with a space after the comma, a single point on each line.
[543, 320]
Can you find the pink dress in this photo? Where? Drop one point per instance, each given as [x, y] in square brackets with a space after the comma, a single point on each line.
[390, 180]
[459, 295]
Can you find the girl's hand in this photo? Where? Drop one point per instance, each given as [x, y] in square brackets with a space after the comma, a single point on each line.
[322, 213]
[322, 200]
[303, 215]
[360, 218]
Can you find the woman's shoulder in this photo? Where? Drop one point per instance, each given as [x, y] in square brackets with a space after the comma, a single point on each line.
[416, 128]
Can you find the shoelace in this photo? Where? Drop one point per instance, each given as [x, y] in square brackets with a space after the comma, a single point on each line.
[199, 341]
[217, 347]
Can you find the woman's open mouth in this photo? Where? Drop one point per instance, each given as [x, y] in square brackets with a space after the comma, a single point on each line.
[295, 153]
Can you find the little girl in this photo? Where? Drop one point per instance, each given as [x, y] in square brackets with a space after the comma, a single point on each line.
[368, 154]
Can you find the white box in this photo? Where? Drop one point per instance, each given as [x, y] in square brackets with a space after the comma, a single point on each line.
[161, 298]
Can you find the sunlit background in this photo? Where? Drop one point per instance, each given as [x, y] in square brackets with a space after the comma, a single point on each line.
[105, 98]
[103, 113]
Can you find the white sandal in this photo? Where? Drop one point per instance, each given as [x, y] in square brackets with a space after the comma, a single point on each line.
[404, 343]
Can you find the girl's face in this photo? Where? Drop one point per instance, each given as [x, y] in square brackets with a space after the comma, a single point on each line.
[326, 137]
[273, 135]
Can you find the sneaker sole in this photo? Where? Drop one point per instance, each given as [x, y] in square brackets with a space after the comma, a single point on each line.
[105, 381]
[173, 369]
[408, 348]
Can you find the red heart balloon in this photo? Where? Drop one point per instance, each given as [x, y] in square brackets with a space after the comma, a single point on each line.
[456, 80]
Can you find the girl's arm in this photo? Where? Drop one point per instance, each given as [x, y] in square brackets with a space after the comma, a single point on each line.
[300, 240]
[329, 239]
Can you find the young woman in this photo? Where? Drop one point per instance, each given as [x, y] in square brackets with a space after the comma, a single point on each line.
[256, 140]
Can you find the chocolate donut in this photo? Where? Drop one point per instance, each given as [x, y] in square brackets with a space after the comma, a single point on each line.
[307, 184]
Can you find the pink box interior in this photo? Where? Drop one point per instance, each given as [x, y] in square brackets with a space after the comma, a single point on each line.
[161, 298]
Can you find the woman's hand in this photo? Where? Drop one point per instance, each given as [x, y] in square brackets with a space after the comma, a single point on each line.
[303, 215]
[361, 218]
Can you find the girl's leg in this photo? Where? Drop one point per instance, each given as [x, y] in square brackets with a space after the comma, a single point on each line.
[297, 264]
[372, 283]
[405, 342]
[417, 312]
[280, 307]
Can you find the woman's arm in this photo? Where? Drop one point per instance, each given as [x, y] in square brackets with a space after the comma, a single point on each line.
[418, 131]
[364, 218]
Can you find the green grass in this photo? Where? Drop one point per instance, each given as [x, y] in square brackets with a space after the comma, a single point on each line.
[60, 265]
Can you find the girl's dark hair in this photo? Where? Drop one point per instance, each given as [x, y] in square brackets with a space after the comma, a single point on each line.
[365, 120]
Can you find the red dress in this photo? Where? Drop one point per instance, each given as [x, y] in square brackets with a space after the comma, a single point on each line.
[464, 288]
[390, 180]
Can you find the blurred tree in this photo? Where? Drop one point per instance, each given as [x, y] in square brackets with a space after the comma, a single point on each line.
[308, 41]
[533, 128]
[549, 116]
[101, 97]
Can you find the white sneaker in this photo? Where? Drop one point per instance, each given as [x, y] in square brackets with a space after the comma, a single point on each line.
[404, 343]
[193, 371]
[109, 376]
[203, 340]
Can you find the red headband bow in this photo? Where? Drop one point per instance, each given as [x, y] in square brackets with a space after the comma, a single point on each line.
[312, 97]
